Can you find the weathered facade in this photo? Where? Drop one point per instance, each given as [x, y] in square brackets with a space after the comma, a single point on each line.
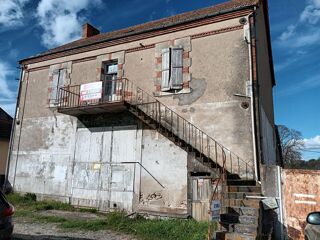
[180, 96]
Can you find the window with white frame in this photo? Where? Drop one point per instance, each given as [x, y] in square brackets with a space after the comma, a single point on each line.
[172, 66]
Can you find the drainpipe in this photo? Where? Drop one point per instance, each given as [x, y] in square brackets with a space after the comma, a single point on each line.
[247, 27]
[280, 201]
[13, 128]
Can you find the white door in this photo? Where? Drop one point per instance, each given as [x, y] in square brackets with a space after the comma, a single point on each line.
[103, 172]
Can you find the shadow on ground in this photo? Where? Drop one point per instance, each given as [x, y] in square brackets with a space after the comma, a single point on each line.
[45, 237]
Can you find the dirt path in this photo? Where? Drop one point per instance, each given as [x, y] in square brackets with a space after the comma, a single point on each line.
[27, 229]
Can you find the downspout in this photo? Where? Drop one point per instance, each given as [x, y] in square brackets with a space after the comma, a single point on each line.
[254, 143]
[280, 202]
[13, 128]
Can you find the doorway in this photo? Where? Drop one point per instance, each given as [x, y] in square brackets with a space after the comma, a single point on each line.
[110, 82]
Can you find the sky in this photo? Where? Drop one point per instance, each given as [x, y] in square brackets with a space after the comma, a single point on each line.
[28, 27]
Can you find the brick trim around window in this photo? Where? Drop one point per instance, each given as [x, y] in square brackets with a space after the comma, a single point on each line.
[185, 43]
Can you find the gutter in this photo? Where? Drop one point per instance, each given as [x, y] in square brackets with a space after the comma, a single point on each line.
[142, 31]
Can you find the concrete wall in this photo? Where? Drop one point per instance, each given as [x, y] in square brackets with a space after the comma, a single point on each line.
[301, 195]
[105, 163]
[164, 184]
[4, 147]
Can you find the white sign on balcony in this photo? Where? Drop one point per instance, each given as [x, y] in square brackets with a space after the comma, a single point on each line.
[90, 91]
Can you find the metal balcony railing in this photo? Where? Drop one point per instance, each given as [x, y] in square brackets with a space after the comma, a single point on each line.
[162, 118]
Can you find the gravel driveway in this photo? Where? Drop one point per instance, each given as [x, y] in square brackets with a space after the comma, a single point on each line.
[26, 229]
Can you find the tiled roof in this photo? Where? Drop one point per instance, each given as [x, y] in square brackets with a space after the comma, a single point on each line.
[154, 25]
[5, 124]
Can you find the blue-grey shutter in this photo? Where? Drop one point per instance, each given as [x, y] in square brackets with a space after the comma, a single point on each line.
[62, 77]
[58, 80]
[165, 78]
[176, 67]
[54, 86]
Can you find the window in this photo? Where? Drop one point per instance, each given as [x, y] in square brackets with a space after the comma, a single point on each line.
[172, 65]
[58, 78]
[110, 80]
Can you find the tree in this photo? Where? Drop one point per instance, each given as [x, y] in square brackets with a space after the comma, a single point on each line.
[291, 145]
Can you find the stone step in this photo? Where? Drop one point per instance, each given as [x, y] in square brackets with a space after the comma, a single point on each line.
[256, 189]
[234, 218]
[245, 228]
[241, 182]
[255, 203]
[240, 228]
[222, 235]
[249, 211]
[241, 195]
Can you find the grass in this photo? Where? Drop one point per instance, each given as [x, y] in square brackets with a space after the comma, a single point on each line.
[146, 229]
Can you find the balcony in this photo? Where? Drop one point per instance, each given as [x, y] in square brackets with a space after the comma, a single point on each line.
[94, 98]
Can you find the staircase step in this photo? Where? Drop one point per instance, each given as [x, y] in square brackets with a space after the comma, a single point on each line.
[234, 236]
[256, 189]
[241, 182]
[246, 228]
[232, 176]
[248, 211]
[255, 203]
[240, 228]
[243, 219]
[241, 195]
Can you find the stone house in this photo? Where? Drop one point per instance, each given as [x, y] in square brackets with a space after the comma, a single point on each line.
[143, 119]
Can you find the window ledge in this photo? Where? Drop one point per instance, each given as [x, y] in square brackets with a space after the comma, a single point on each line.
[164, 94]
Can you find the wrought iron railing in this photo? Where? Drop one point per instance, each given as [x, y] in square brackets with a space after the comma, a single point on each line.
[161, 116]
[70, 96]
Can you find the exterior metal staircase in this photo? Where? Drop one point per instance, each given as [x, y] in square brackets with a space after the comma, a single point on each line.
[239, 216]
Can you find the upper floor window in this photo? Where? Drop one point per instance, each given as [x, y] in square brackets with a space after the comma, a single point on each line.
[172, 67]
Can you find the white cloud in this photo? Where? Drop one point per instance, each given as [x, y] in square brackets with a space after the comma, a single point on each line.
[288, 33]
[11, 13]
[305, 31]
[312, 143]
[7, 96]
[5, 74]
[61, 20]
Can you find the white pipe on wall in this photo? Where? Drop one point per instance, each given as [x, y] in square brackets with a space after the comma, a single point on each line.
[280, 200]
[251, 99]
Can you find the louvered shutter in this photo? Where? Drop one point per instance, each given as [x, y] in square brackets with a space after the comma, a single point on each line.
[165, 80]
[176, 68]
[54, 87]
[62, 78]
[58, 80]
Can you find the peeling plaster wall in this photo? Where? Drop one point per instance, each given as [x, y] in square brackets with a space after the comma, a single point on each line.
[164, 186]
[43, 164]
[219, 69]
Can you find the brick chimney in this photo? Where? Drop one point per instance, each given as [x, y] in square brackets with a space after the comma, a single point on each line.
[89, 30]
